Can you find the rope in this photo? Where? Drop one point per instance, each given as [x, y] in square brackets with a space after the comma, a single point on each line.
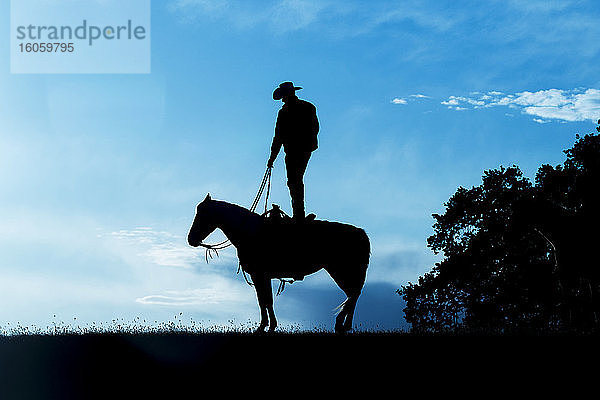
[269, 169]
[266, 181]
[240, 268]
[282, 283]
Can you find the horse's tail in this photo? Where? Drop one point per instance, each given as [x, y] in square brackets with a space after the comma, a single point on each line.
[338, 309]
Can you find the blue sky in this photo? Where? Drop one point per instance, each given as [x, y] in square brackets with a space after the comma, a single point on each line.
[101, 172]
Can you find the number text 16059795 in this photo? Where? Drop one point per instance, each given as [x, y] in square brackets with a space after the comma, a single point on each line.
[55, 47]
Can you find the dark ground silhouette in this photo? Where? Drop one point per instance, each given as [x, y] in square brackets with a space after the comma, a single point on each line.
[172, 365]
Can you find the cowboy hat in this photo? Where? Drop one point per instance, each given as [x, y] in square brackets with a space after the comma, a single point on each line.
[284, 89]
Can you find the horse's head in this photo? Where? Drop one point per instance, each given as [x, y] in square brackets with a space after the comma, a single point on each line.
[203, 224]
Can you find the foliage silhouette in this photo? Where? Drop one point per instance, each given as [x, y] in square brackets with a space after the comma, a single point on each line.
[271, 248]
[517, 256]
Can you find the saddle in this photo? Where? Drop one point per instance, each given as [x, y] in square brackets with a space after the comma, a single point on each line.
[276, 216]
[282, 232]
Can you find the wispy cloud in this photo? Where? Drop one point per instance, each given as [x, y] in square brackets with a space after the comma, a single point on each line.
[164, 248]
[455, 101]
[293, 15]
[398, 100]
[191, 297]
[540, 6]
[213, 287]
[412, 97]
[282, 16]
[545, 105]
[158, 247]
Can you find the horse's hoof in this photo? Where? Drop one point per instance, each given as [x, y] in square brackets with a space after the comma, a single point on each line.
[342, 330]
[260, 330]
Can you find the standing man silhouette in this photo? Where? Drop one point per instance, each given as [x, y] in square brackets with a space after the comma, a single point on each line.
[296, 129]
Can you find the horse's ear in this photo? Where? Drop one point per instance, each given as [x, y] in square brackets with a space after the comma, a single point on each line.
[207, 198]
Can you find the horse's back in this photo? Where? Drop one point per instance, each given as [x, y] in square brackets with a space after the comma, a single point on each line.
[315, 233]
[336, 235]
[305, 248]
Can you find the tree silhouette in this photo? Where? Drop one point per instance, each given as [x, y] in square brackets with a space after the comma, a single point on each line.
[516, 255]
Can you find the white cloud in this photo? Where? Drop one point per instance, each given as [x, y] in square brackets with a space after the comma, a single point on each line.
[455, 101]
[551, 104]
[412, 97]
[420, 96]
[452, 101]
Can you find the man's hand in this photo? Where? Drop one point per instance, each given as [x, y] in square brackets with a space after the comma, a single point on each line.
[270, 163]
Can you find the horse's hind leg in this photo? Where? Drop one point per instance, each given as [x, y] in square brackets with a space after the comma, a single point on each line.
[343, 321]
[352, 286]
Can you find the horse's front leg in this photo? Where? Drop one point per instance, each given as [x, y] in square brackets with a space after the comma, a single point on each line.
[264, 294]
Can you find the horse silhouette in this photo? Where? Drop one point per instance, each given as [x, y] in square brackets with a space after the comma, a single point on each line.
[278, 250]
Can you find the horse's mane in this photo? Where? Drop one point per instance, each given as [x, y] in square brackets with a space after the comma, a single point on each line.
[233, 209]
[234, 212]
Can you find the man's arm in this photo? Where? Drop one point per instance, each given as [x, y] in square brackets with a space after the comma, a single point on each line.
[275, 147]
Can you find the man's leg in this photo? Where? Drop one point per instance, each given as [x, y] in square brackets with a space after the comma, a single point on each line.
[295, 166]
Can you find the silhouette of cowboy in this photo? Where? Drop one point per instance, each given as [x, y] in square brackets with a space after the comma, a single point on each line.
[296, 129]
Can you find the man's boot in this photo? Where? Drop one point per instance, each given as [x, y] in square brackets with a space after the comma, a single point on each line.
[298, 211]
[297, 205]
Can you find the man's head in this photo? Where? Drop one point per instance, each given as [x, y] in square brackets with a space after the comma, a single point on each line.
[285, 91]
